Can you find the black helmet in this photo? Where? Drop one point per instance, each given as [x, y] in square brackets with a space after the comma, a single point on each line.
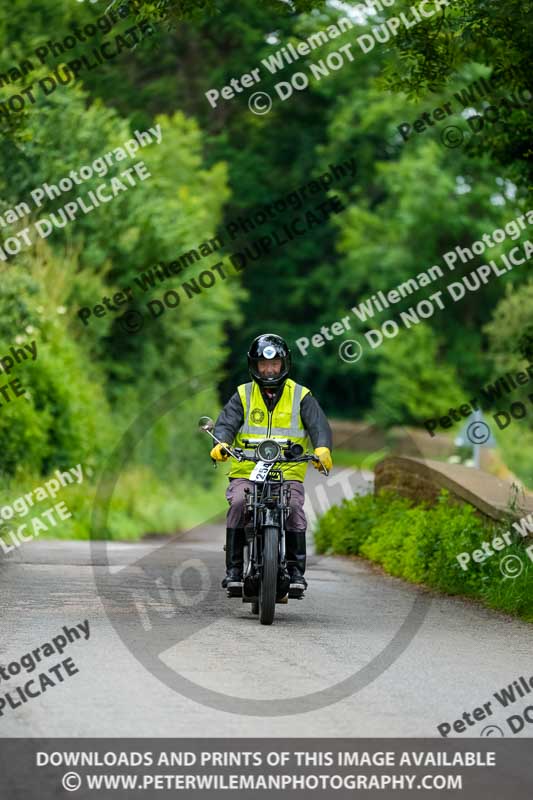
[268, 345]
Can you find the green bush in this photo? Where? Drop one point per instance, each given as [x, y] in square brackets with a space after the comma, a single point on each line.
[419, 543]
[62, 418]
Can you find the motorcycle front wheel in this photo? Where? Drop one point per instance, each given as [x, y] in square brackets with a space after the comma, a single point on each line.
[267, 590]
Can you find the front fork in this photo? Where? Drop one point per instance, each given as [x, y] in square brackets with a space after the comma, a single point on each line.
[261, 514]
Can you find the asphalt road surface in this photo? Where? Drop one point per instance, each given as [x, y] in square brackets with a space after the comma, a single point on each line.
[168, 654]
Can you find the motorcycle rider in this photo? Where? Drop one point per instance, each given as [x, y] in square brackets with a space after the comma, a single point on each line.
[270, 406]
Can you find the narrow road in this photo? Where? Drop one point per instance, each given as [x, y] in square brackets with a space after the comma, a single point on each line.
[168, 654]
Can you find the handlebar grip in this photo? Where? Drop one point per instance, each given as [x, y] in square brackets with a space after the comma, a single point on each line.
[323, 469]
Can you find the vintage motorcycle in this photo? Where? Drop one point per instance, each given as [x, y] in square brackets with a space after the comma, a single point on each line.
[265, 576]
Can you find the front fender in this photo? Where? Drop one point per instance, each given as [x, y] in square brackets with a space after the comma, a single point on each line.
[271, 516]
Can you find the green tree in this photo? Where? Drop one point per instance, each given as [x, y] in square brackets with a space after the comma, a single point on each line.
[415, 381]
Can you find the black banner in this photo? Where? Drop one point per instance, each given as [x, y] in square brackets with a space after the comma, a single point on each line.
[321, 768]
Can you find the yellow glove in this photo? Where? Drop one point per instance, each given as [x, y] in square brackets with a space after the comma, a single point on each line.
[217, 454]
[324, 454]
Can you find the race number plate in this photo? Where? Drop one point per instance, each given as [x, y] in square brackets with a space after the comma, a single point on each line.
[260, 472]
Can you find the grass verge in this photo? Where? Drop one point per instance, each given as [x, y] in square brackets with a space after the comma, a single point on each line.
[141, 503]
[420, 543]
[359, 459]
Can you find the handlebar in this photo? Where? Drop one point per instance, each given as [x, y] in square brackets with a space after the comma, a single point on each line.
[240, 455]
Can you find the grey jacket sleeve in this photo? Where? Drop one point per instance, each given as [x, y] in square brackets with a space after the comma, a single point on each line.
[315, 422]
[229, 420]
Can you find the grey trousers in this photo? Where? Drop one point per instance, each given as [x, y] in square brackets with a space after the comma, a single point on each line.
[296, 520]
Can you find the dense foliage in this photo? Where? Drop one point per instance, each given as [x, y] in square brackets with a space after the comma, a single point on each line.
[421, 544]
[409, 203]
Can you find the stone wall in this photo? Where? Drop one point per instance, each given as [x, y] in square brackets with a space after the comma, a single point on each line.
[422, 480]
[407, 441]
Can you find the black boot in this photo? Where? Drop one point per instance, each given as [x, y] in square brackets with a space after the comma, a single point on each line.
[234, 558]
[295, 551]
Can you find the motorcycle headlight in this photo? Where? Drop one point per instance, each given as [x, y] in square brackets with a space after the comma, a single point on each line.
[269, 451]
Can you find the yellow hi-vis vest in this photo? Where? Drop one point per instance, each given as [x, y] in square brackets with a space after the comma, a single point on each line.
[284, 422]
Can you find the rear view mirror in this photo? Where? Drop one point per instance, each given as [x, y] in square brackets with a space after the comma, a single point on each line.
[206, 424]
